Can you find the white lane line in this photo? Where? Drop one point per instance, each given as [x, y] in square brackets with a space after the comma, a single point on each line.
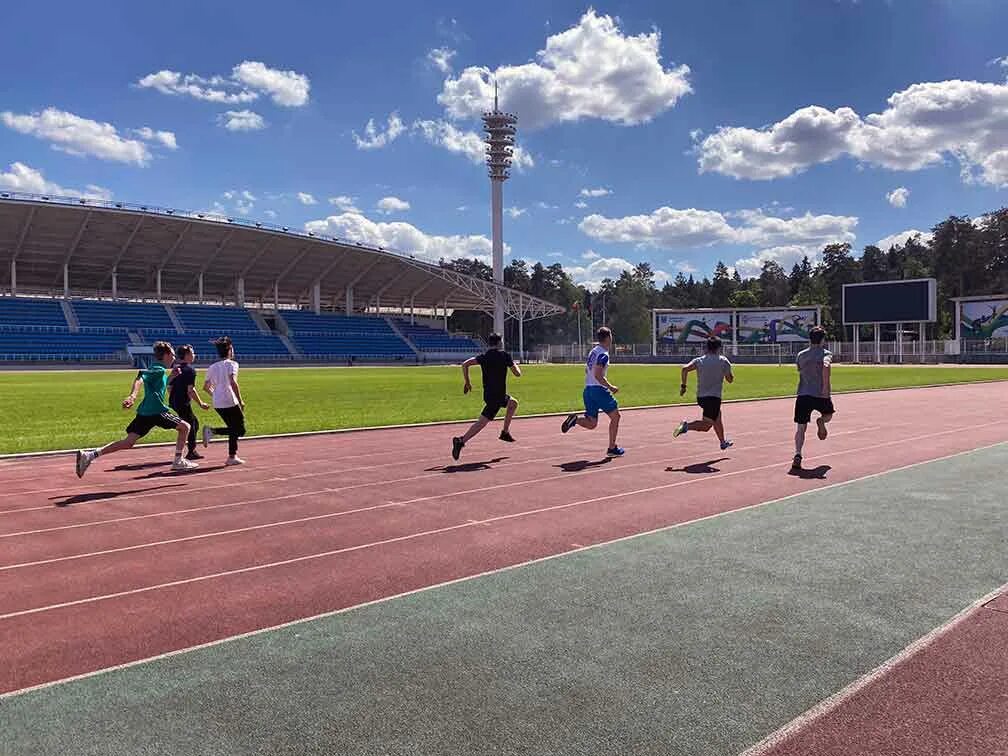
[824, 707]
[467, 578]
[446, 529]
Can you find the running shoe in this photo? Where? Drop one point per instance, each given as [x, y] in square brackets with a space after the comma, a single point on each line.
[796, 462]
[505, 436]
[193, 455]
[181, 465]
[569, 423]
[84, 460]
[823, 433]
[616, 451]
[207, 435]
[726, 444]
[231, 461]
[680, 429]
[457, 444]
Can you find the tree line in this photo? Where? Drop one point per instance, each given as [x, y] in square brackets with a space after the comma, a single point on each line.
[967, 257]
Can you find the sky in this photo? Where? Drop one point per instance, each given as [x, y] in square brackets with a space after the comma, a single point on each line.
[669, 132]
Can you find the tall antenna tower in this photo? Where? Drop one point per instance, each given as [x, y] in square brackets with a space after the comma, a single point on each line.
[500, 141]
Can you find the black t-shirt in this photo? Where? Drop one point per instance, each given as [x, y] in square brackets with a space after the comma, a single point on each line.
[495, 364]
[179, 392]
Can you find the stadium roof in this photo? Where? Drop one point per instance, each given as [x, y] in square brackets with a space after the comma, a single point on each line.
[147, 249]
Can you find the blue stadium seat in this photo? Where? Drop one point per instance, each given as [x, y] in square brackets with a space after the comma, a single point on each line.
[22, 311]
[223, 320]
[331, 336]
[126, 316]
[435, 340]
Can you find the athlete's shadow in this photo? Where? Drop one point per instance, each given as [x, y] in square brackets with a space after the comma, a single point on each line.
[812, 473]
[140, 466]
[104, 495]
[583, 464]
[699, 468]
[177, 473]
[467, 466]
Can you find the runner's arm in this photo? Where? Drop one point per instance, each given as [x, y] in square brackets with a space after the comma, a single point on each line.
[465, 374]
[237, 391]
[827, 388]
[688, 368]
[599, 372]
[130, 400]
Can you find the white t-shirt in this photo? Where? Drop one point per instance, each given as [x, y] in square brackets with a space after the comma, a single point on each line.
[219, 375]
[597, 356]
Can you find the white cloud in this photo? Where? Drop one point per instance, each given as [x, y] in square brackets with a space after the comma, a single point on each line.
[556, 163]
[555, 254]
[248, 195]
[546, 206]
[683, 266]
[599, 192]
[248, 80]
[24, 178]
[75, 135]
[580, 204]
[440, 58]
[270, 214]
[402, 237]
[921, 126]
[389, 205]
[590, 255]
[164, 138]
[601, 268]
[241, 120]
[898, 196]
[462, 208]
[306, 199]
[785, 255]
[287, 88]
[592, 70]
[515, 212]
[467, 143]
[344, 203]
[669, 228]
[374, 139]
[898, 240]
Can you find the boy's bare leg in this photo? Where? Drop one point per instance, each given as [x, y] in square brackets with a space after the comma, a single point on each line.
[821, 422]
[121, 445]
[512, 408]
[614, 417]
[588, 423]
[183, 437]
[799, 439]
[719, 429]
[700, 425]
[480, 424]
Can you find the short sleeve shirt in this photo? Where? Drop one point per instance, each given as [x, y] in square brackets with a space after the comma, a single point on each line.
[219, 374]
[494, 364]
[597, 356]
[711, 371]
[810, 370]
[179, 387]
[155, 380]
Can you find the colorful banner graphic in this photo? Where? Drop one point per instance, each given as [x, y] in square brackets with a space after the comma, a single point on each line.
[680, 327]
[984, 319]
[771, 327]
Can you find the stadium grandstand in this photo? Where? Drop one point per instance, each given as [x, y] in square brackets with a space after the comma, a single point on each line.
[87, 280]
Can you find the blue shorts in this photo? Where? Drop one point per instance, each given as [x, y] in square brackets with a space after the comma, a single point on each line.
[598, 399]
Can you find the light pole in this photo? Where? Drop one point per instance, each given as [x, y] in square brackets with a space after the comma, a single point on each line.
[500, 140]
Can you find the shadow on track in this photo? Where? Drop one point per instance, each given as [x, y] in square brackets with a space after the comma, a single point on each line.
[104, 495]
[141, 466]
[699, 468]
[813, 473]
[178, 473]
[466, 466]
[583, 464]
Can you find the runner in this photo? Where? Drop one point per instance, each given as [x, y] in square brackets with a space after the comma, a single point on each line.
[494, 364]
[814, 391]
[598, 393]
[713, 369]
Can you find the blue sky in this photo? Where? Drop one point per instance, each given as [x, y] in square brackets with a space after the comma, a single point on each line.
[669, 132]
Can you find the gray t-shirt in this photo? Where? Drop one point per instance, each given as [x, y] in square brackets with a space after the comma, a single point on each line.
[810, 370]
[711, 371]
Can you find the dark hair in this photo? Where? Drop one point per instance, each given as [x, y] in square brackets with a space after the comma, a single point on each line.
[494, 340]
[161, 348]
[223, 345]
[713, 344]
[817, 335]
[184, 351]
[602, 334]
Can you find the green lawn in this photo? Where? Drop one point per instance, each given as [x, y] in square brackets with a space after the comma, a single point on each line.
[59, 410]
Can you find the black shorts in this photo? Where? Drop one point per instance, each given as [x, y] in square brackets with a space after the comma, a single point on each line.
[711, 406]
[142, 424]
[494, 404]
[804, 406]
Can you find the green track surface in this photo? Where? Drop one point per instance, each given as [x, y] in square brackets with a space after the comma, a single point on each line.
[42, 411]
[696, 640]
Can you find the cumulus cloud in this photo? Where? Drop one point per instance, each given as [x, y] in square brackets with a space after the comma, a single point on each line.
[669, 228]
[389, 205]
[75, 135]
[344, 203]
[306, 199]
[921, 126]
[241, 120]
[516, 212]
[580, 204]
[468, 143]
[23, 178]
[898, 240]
[590, 255]
[601, 268]
[248, 80]
[402, 237]
[440, 58]
[599, 192]
[374, 139]
[785, 255]
[592, 70]
[683, 266]
[898, 196]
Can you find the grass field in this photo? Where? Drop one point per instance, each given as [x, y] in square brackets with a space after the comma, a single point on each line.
[41, 411]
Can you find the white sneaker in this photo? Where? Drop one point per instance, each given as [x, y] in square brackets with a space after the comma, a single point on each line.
[181, 463]
[235, 461]
[207, 434]
[84, 460]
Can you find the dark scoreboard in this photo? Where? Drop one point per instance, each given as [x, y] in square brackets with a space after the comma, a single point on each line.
[912, 301]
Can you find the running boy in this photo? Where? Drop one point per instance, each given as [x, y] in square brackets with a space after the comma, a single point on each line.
[494, 363]
[598, 393]
[814, 391]
[713, 369]
[182, 393]
[222, 382]
[152, 413]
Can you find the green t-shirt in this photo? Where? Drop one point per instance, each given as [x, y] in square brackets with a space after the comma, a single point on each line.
[155, 384]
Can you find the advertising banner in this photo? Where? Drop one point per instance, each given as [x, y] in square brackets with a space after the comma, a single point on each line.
[772, 327]
[680, 327]
[984, 319]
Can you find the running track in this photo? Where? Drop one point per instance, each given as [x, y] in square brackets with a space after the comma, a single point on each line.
[135, 561]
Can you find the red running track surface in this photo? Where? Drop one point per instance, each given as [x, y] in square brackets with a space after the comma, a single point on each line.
[135, 561]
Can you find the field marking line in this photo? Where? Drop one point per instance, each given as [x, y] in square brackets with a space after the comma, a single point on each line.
[463, 421]
[437, 531]
[828, 705]
[476, 576]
